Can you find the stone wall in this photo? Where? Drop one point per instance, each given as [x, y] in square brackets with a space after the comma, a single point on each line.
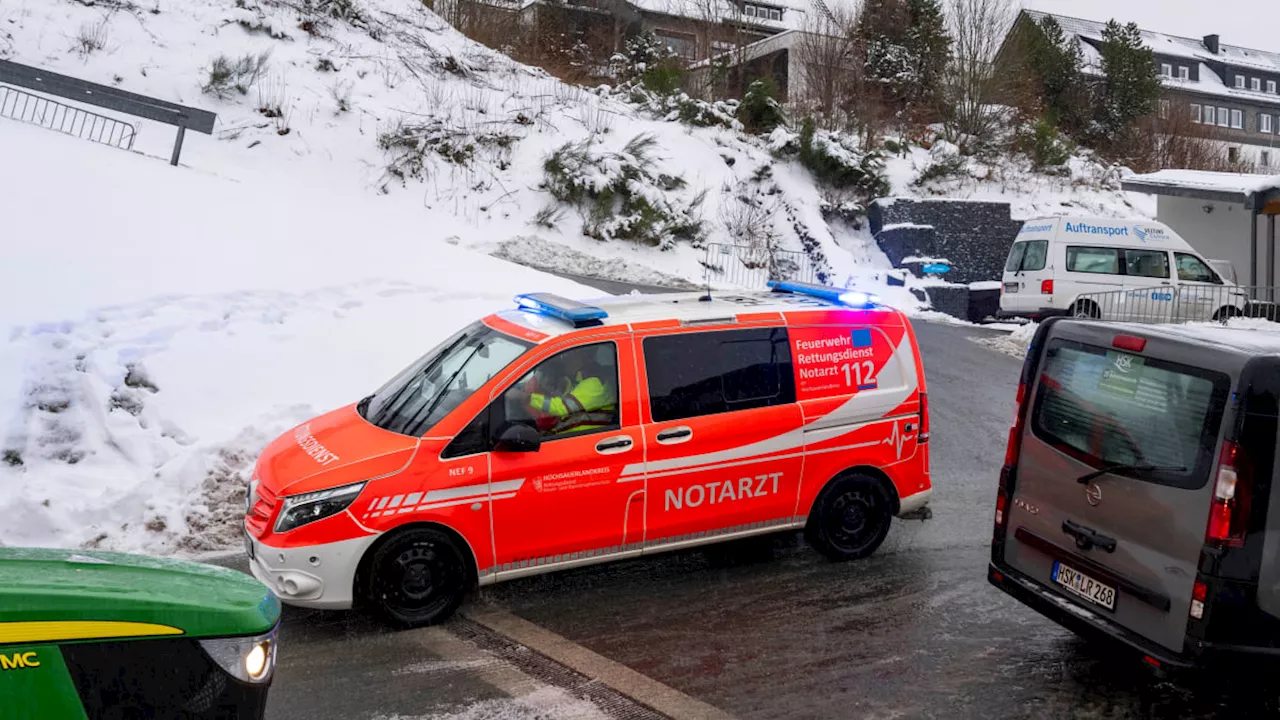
[974, 237]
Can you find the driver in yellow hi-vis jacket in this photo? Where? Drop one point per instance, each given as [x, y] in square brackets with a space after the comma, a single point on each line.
[585, 403]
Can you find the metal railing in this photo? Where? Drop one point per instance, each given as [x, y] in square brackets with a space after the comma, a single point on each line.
[111, 98]
[25, 107]
[750, 267]
[1180, 304]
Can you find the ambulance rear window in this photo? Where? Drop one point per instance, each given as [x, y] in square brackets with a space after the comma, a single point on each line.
[694, 374]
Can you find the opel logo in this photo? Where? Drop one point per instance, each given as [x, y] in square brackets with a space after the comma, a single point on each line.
[1093, 494]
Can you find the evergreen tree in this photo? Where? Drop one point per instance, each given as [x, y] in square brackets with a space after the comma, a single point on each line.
[1056, 64]
[1132, 86]
[905, 48]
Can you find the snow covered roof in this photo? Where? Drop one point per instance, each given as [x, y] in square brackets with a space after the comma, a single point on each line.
[1198, 183]
[793, 11]
[1191, 49]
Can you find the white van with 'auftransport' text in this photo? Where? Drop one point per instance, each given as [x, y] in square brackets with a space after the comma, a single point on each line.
[1143, 269]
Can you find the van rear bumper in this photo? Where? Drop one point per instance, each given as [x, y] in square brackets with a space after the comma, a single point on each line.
[1036, 314]
[1078, 619]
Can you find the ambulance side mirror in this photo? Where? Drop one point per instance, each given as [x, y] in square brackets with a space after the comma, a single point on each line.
[517, 438]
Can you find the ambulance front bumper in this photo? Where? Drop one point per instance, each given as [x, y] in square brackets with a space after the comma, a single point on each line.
[315, 576]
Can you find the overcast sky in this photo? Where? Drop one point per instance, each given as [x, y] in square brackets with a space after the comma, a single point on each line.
[1251, 23]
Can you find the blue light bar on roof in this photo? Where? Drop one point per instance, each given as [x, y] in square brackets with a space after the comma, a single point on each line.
[852, 298]
[571, 311]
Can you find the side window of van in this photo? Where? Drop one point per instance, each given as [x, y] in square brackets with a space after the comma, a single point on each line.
[1101, 261]
[1146, 263]
[1191, 269]
[574, 392]
[704, 373]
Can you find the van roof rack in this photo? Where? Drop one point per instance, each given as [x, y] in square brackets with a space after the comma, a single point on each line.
[577, 314]
[852, 298]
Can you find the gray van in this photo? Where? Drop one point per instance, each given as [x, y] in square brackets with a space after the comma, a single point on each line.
[1134, 495]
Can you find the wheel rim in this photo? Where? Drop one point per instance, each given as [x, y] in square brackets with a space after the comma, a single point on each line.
[419, 580]
[855, 520]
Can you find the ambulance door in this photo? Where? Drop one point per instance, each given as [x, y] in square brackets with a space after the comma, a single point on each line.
[722, 434]
[562, 501]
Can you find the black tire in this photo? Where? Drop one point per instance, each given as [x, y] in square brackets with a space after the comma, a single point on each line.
[1085, 309]
[850, 518]
[1226, 313]
[418, 577]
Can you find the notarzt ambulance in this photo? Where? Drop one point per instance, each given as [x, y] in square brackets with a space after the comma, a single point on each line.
[556, 434]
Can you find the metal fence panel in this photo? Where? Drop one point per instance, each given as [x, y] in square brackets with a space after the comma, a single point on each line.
[1201, 302]
[25, 107]
[748, 267]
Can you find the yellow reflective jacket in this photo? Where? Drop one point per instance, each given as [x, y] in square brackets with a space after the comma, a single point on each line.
[590, 404]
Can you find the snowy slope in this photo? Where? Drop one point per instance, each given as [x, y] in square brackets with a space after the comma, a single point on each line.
[158, 334]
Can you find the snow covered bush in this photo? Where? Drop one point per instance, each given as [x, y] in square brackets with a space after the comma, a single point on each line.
[621, 195]
[226, 75]
[412, 146]
[838, 161]
[760, 111]
[650, 63]
[1046, 147]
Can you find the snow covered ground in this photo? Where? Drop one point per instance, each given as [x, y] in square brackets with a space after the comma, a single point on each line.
[160, 325]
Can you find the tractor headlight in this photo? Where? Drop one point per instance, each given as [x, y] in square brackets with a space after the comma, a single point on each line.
[309, 507]
[247, 659]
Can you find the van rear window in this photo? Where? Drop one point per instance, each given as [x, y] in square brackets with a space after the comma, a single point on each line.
[1027, 255]
[1105, 407]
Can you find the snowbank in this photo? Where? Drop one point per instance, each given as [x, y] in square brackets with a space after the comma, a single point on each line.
[166, 324]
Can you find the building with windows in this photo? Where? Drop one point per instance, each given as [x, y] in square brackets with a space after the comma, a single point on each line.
[1233, 91]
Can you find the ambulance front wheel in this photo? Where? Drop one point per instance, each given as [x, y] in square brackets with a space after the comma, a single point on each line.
[851, 517]
[417, 578]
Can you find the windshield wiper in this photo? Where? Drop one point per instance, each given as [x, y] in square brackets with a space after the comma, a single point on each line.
[1129, 468]
[362, 407]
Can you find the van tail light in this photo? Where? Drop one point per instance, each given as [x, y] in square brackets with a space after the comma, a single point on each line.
[1229, 514]
[1011, 453]
[1132, 343]
[924, 418]
[1199, 592]
[1046, 287]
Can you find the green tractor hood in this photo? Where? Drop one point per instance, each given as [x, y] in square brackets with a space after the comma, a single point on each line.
[70, 595]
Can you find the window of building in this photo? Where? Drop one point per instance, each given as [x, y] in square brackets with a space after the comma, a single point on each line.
[1256, 84]
[1265, 123]
[1237, 119]
[1100, 261]
[686, 46]
[1184, 72]
[705, 373]
[1240, 82]
[775, 14]
[749, 11]
[1166, 70]
[1271, 86]
[1196, 114]
[1233, 154]
[1210, 115]
[1224, 117]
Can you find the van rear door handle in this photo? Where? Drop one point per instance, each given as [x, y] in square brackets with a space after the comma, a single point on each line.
[1087, 538]
[616, 444]
[675, 435]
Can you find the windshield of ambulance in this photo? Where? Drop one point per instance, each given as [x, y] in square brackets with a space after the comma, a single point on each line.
[1105, 407]
[428, 390]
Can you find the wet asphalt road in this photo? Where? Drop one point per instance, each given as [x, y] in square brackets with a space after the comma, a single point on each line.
[766, 628]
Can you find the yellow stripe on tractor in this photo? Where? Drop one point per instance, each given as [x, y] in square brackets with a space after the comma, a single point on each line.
[59, 630]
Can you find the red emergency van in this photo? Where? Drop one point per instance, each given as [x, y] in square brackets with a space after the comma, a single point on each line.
[556, 434]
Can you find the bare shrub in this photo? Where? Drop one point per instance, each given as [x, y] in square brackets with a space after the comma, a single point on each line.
[828, 75]
[91, 38]
[1176, 142]
[748, 217]
[340, 91]
[972, 82]
[226, 75]
[273, 102]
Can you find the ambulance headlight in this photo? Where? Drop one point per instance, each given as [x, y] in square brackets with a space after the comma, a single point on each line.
[247, 659]
[309, 507]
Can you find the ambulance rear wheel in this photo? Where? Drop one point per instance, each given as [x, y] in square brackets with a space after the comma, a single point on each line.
[417, 578]
[851, 518]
